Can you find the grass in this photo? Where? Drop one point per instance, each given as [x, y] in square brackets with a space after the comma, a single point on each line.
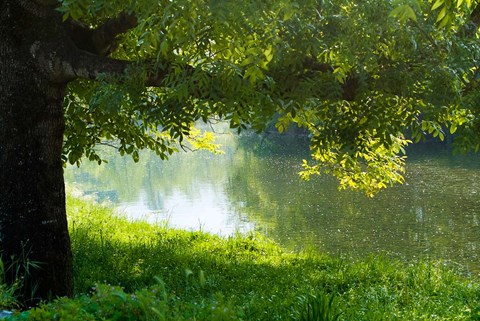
[135, 271]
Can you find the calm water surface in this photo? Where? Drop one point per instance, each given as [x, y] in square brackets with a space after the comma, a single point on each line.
[255, 186]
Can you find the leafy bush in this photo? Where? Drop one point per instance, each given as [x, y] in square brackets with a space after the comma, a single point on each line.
[111, 303]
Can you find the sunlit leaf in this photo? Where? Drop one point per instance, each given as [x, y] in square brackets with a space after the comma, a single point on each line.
[437, 4]
[442, 14]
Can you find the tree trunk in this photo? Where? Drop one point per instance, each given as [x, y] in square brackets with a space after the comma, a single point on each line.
[33, 224]
[39, 54]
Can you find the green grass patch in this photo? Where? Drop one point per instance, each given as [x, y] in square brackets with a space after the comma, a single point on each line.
[136, 271]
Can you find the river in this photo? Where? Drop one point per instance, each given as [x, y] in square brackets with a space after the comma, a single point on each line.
[254, 186]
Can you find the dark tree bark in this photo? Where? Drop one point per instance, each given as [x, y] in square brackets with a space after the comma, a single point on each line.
[39, 55]
[32, 196]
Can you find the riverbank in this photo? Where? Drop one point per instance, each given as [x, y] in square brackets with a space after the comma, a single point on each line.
[135, 271]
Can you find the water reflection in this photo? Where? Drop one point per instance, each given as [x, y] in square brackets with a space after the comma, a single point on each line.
[255, 185]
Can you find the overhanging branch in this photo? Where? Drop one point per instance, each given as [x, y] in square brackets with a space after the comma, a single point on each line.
[101, 41]
[89, 66]
[63, 62]
[475, 17]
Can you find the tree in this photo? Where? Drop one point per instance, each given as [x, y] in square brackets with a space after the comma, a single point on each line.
[364, 77]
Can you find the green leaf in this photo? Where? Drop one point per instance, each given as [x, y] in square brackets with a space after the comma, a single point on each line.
[442, 14]
[445, 21]
[410, 14]
[453, 129]
[268, 54]
[404, 13]
[437, 4]
[135, 156]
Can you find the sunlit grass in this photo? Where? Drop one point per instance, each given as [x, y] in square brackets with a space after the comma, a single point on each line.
[135, 271]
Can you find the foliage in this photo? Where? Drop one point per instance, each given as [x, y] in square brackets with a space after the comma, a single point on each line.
[124, 269]
[365, 78]
[104, 303]
[181, 36]
[449, 10]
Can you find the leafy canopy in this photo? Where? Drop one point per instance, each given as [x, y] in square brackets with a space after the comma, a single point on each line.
[365, 78]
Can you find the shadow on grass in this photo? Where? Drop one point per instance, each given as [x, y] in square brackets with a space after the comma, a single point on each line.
[251, 278]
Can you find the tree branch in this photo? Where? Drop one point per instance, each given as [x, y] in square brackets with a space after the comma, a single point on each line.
[349, 88]
[89, 66]
[313, 65]
[475, 17]
[63, 62]
[471, 26]
[85, 65]
[101, 41]
[103, 38]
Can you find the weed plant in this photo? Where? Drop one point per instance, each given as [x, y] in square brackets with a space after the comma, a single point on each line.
[17, 269]
[136, 271]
